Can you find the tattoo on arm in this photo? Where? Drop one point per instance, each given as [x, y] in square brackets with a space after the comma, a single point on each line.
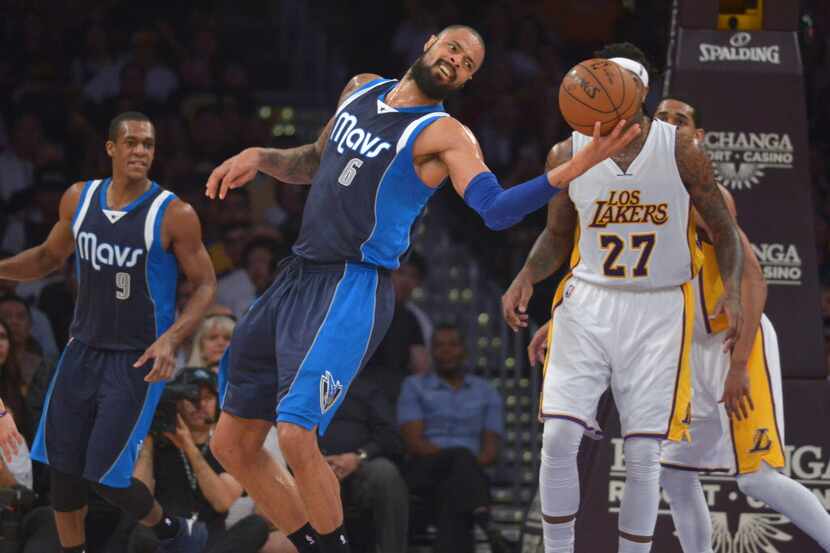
[697, 175]
[555, 242]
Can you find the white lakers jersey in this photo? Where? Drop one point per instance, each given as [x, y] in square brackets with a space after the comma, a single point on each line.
[635, 229]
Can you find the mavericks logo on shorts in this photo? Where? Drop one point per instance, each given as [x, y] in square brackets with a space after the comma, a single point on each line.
[330, 390]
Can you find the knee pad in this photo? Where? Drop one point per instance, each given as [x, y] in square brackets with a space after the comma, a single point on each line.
[642, 459]
[559, 475]
[750, 484]
[69, 492]
[135, 499]
[679, 483]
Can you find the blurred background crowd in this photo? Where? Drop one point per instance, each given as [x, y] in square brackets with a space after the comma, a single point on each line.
[219, 76]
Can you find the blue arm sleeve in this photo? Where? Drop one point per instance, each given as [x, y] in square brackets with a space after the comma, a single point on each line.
[502, 208]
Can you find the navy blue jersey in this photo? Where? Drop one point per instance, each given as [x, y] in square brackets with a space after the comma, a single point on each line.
[126, 281]
[366, 194]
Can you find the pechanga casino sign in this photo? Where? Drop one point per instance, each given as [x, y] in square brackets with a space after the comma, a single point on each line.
[741, 159]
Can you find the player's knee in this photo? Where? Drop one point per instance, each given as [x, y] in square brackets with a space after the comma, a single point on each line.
[642, 459]
[69, 493]
[135, 499]
[751, 484]
[298, 445]
[561, 439]
[678, 483]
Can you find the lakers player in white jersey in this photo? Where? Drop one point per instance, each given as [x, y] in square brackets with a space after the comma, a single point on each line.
[746, 436]
[624, 315]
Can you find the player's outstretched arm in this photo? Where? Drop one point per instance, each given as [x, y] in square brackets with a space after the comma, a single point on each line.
[550, 250]
[456, 147]
[292, 165]
[696, 172]
[183, 232]
[49, 256]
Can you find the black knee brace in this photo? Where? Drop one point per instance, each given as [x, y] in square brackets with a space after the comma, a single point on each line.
[69, 492]
[135, 499]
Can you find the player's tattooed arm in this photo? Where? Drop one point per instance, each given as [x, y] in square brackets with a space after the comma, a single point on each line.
[550, 250]
[290, 165]
[697, 175]
[49, 256]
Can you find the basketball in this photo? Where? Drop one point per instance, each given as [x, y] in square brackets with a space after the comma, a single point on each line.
[597, 90]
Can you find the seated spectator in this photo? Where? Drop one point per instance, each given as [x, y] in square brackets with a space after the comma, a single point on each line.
[211, 341]
[30, 354]
[361, 445]
[240, 288]
[42, 324]
[180, 469]
[452, 423]
[406, 280]
[24, 392]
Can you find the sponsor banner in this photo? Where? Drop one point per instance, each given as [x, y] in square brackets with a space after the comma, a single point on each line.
[739, 51]
[739, 524]
[754, 117]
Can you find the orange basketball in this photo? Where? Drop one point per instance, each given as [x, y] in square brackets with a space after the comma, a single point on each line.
[597, 90]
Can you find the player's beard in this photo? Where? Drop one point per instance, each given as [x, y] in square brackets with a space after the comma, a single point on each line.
[426, 81]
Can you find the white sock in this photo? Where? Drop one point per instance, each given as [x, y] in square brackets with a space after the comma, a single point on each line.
[688, 509]
[559, 538]
[791, 499]
[559, 482]
[641, 497]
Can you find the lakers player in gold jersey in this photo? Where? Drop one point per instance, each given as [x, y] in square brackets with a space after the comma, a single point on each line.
[623, 317]
[746, 436]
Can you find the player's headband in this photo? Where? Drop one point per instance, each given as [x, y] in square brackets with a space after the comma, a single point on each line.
[633, 66]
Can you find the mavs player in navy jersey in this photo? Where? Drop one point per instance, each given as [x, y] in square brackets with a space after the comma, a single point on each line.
[376, 163]
[130, 238]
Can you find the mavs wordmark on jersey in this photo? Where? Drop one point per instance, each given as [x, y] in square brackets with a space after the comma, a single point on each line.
[97, 254]
[345, 134]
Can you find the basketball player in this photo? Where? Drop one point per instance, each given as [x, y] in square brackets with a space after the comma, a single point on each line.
[373, 168]
[130, 236]
[624, 315]
[747, 435]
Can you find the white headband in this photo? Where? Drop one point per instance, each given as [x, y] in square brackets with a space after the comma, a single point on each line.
[633, 66]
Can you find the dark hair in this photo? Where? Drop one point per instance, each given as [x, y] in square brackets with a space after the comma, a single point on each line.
[5, 298]
[11, 384]
[446, 325]
[625, 50]
[696, 117]
[115, 124]
[277, 250]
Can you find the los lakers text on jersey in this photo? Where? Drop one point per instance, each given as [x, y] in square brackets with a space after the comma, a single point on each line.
[624, 207]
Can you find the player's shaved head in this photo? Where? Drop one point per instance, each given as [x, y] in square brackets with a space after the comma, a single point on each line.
[449, 60]
[465, 28]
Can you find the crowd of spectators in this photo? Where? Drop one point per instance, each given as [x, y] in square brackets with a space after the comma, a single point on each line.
[400, 442]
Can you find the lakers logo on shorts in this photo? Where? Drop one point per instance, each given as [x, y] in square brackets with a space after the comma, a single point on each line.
[762, 442]
[330, 390]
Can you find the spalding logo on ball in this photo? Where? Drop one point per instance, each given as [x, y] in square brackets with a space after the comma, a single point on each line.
[600, 90]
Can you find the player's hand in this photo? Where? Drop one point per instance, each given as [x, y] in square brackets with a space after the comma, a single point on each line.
[736, 398]
[235, 172]
[538, 345]
[182, 438]
[10, 438]
[344, 464]
[514, 301]
[163, 352]
[603, 147]
[730, 305]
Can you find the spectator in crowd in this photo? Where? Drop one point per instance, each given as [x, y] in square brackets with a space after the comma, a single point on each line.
[36, 210]
[57, 301]
[180, 469]
[28, 353]
[17, 162]
[41, 322]
[240, 288]
[25, 407]
[235, 221]
[362, 446]
[402, 351]
[452, 423]
[211, 341]
[406, 280]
